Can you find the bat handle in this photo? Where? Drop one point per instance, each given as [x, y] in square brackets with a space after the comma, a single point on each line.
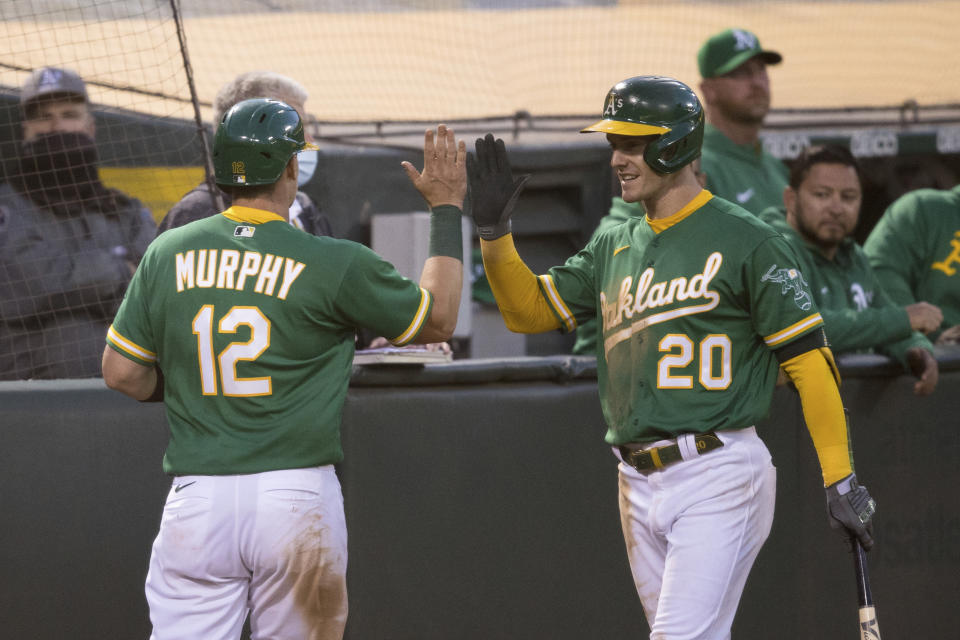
[864, 595]
[869, 628]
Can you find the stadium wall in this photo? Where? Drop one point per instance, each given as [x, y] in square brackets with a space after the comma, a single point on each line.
[481, 503]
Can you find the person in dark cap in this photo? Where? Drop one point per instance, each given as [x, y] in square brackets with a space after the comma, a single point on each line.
[68, 244]
[736, 94]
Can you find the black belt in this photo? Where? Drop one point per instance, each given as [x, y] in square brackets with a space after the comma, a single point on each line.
[659, 457]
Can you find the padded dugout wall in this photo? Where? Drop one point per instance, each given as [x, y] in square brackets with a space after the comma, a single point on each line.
[481, 503]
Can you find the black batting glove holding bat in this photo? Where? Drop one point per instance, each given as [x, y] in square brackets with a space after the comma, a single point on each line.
[493, 190]
[850, 509]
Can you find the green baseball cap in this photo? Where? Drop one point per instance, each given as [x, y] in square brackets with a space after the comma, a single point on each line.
[725, 51]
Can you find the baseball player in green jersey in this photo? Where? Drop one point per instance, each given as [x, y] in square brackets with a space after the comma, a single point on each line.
[915, 249]
[620, 211]
[736, 92]
[700, 302]
[820, 212]
[252, 322]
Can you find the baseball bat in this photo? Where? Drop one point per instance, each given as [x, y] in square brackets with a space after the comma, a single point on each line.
[869, 628]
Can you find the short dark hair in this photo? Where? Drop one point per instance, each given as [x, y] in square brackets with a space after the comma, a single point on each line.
[821, 154]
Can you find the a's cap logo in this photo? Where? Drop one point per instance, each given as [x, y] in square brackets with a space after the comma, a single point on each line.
[50, 77]
[745, 41]
[243, 231]
[614, 102]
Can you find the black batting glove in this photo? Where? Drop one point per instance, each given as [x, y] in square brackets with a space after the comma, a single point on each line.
[850, 509]
[493, 191]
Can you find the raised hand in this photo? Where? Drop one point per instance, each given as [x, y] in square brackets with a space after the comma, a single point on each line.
[493, 190]
[444, 177]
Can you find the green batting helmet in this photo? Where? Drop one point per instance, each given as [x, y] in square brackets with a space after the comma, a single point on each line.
[255, 141]
[659, 106]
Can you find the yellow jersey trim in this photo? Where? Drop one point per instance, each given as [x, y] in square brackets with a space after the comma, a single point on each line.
[250, 215]
[662, 224]
[794, 330]
[418, 320]
[130, 347]
[553, 297]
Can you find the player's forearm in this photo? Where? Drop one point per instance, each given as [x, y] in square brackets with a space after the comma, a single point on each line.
[128, 377]
[443, 277]
[515, 288]
[442, 274]
[850, 329]
[813, 376]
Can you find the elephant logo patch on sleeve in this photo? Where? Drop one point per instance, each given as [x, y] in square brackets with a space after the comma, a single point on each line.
[791, 281]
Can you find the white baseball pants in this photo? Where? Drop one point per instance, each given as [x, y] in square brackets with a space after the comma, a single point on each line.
[693, 530]
[273, 543]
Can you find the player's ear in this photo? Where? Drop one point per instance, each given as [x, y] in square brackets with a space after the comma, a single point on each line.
[789, 200]
[706, 91]
[293, 168]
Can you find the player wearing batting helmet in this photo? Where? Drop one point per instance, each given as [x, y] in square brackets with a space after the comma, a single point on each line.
[252, 322]
[699, 304]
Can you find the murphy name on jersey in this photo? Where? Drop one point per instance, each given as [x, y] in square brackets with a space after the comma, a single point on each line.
[232, 269]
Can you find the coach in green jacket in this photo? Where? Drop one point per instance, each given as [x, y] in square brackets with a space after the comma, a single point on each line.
[736, 93]
[915, 249]
[821, 208]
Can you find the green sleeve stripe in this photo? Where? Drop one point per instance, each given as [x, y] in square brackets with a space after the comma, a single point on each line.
[553, 297]
[426, 301]
[793, 330]
[129, 347]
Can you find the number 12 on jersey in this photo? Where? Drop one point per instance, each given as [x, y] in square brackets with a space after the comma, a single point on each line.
[226, 361]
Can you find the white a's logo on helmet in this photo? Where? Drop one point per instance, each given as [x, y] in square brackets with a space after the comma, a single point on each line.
[614, 102]
[744, 40]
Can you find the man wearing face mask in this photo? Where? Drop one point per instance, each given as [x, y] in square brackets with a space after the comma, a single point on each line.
[206, 199]
[68, 244]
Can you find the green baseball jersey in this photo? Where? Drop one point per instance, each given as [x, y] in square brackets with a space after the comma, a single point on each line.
[620, 211]
[915, 250]
[252, 322]
[690, 317]
[744, 174]
[858, 315]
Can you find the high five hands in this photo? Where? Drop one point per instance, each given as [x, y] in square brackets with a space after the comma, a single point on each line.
[493, 190]
[444, 177]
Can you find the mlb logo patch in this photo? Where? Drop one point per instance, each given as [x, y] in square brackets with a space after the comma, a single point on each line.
[243, 231]
[240, 179]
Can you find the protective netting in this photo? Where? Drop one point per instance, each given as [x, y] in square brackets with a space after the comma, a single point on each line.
[422, 60]
[362, 61]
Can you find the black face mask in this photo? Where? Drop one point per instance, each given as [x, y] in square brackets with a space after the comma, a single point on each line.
[59, 171]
